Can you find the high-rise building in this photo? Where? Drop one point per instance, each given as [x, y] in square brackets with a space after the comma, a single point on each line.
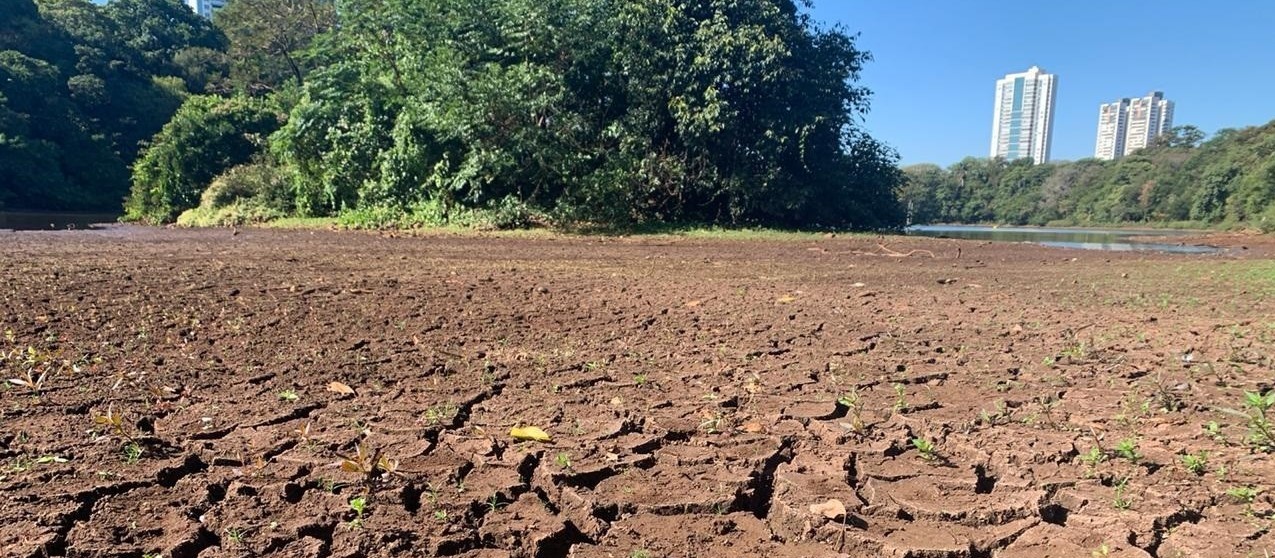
[1023, 121]
[1149, 117]
[206, 7]
[1128, 125]
[1113, 122]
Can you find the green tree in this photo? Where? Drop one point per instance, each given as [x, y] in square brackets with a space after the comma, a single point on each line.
[270, 40]
[206, 137]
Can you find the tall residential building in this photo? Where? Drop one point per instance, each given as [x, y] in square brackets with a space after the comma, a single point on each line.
[1023, 122]
[206, 7]
[1113, 122]
[1128, 125]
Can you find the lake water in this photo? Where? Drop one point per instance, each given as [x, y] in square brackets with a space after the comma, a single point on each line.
[1116, 240]
[46, 221]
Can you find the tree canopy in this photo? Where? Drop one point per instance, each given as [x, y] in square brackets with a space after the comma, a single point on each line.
[81, 88]
[604, 111]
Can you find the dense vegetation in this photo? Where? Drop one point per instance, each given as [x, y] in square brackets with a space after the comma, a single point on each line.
[593, 112]
[82, 87]
[1229, 179]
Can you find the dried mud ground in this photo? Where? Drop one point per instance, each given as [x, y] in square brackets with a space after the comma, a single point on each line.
[691, 388]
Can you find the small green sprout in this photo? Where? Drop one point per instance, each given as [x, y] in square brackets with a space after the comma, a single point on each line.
[900, 397]
[1128, 449]
[563, 460]
[235, 535]
[1243, 494]
[1214, 430]
[639, 379]
[440, 515]
[926, 448]
[132, 453]
[289, 395]
[358, 504]
[1196, 463]
[1121, 502]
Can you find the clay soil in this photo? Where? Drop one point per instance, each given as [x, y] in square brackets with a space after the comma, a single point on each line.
[701, 395]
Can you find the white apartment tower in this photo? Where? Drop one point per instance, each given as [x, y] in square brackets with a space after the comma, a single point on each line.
[1113, 123]
[1023, 121]
[1128, 125]
[206, 7]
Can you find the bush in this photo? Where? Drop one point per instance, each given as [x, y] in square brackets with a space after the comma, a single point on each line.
[265, 184]
[246, 194]
[241, 212]
[207, 136]
[1266, 222]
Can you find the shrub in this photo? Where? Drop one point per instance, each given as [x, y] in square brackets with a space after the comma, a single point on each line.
[207, 136]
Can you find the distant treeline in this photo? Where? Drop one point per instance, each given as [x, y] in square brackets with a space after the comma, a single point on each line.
[499, 112]
[83, 87]
[1182, 180]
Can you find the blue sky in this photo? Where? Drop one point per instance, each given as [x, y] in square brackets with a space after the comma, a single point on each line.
[936, 63]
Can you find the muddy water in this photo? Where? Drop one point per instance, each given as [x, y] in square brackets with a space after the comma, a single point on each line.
[44, 221]
[1114, 240]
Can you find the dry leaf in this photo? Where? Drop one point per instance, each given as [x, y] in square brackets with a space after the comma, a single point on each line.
[338, 387]
[694, 303]
[832, 509]
[753, 427]
[529, 433]
[786, 299]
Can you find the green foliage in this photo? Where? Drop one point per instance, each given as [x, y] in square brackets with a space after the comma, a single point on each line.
[83, 86]
[207, 136]
[270, 40]
[1227, 179]
[593, 113]
[247, 194]
[1196, 463]
[1128, 449]
[1257, 408]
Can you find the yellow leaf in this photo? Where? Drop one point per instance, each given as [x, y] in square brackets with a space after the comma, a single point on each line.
[338, 387]
[350, 467]
[529, 433]
[786, 299]
[831, 509]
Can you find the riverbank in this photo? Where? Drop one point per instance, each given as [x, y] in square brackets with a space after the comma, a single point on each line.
[723, 387]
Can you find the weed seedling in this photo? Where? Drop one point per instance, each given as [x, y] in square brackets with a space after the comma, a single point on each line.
[1261, 433]
[235, 535]
[926, 448]
[640, 553]
[1120, 501]
[1092, 459]
[854, 404]
[1214, 430]
[358, 504]
[289, 395]
[1196, 463]
[494, 504]
[563, 460]
[368, 463]
[1128, 449]
[639, 379]
[440, 516]
[1243, 494]
[900, 397]
[1102, 552]
[30, 381]
[132, 453]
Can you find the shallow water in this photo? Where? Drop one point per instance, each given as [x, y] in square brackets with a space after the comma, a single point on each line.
[1114, 240]
[50, 221]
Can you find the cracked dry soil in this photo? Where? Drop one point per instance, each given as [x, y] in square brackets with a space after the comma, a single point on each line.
[702, 395]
